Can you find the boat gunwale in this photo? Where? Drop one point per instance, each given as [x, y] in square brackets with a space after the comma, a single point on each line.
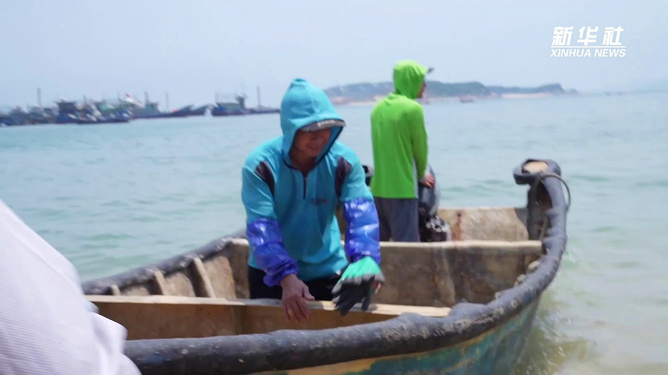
[145, 274]
[406, 334]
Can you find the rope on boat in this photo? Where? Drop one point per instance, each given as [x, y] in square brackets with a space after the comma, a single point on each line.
[542, 176]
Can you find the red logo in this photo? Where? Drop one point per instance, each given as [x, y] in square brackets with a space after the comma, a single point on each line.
[319, 201]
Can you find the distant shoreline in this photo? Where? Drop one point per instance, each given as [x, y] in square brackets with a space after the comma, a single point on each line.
[367, 93]
[340, 101]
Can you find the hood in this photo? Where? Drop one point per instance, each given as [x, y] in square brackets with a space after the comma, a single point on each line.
[408, 78]
[304, 104]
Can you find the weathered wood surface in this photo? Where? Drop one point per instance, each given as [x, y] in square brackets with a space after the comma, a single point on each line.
[436, 274]
[153, 317]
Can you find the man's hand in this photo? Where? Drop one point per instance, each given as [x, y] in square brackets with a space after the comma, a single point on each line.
[295, 295]
[359, 281]
[428, 180]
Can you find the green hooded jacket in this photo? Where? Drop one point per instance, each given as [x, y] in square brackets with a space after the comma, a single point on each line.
[398, 135]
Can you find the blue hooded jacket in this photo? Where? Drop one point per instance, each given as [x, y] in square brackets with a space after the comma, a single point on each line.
[291, 223]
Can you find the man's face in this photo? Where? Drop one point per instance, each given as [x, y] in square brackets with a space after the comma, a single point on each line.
[311, 143]
[424, 86]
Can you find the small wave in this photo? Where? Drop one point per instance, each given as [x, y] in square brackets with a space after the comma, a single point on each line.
[655, 183]
[146, 219]
[661, 301]
[457, 189]
[95, 255]
[212, 202]
[175, 197]
[51, 214]
[550, 344]
[627, 264]
[495, 182]
[606, 229]
[95, 161]
[145, 202]
[590, 178]
[108, 236]
[114, 203]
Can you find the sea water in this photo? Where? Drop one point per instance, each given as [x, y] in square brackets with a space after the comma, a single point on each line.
[119, 196]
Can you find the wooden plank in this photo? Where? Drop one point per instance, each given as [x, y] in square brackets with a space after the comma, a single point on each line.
[382, 309]
[157, 316]
[157, 320]
[265, 318]
[203, 278]
[115, 291]
[160, 283]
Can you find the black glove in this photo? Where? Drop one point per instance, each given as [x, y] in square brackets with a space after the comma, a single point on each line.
[356, 284]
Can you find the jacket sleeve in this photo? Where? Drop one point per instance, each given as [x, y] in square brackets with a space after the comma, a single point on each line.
[263, 230]
[419, 141]
[359, 212]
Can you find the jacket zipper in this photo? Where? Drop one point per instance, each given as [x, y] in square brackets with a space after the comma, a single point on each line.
[304, 197]
[303, 176]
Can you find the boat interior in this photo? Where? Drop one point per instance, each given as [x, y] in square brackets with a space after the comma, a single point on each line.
[207, 295]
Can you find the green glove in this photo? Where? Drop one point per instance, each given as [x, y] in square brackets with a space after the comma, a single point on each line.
[355, 285]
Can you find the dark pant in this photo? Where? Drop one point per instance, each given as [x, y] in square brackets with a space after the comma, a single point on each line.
[321, 288]
[398, 219]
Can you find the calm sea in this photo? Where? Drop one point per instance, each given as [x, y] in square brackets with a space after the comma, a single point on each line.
[115, 197]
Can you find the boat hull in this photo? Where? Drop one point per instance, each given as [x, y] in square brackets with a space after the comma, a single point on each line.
[493, 352]
[490, 277]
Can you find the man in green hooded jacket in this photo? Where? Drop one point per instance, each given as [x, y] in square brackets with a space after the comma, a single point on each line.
[400, 150]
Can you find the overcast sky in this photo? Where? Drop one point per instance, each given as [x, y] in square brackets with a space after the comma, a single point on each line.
[193, 49]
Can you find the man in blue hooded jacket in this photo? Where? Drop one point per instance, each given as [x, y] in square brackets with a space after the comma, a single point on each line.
[291, 187]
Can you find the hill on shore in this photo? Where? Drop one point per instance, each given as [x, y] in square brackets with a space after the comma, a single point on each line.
[365, 91]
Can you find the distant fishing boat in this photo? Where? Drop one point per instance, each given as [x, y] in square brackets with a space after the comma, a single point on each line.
[100, 121]
[39, 115]
[68, 112]
[147, 110]
[263, 110]
[181, 112]
[238, 107]
[260, 109]
[199, 111]
[230, 108]
[466, 99]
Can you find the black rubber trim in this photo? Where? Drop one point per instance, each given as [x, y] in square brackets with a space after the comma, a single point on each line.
[264, 172]
[343, 169]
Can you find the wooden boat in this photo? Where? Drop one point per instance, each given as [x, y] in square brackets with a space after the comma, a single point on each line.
[457, 307]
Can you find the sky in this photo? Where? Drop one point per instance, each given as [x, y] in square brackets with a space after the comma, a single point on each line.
[194, 49]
